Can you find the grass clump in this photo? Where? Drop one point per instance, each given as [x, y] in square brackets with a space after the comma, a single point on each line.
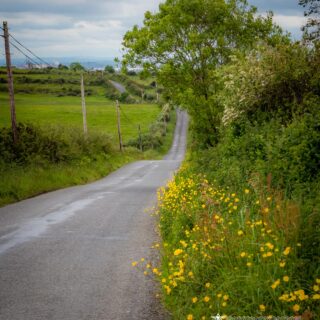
[234, 254]
[46, 159]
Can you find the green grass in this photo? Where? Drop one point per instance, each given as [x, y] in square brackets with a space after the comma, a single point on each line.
[21, 182]
[231, 252]
[47, 110]
[52, 113]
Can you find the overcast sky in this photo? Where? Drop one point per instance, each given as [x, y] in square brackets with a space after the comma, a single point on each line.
[94, 28]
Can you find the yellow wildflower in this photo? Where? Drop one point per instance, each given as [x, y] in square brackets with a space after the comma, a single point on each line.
[282, 264]
[296, 308]
[194, 299]
[315, 288]
[225, 297]
[168, 289]
[189, 317]
[285, 278]
[206, 299]
[240, 233]
[262, 307]
[224, 304]
[242, 254]
[134, 263]
[316, 296]
[219, 295]
[249, 264]
[246, 191]
[177, 252]
[184, 244]
[287, 251]
[208, 285]
[270, 245]
[275, 284]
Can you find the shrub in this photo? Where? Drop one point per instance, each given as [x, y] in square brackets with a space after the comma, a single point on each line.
[52, 145]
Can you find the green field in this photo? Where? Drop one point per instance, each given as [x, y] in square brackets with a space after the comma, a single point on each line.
[49, 103]
[50, 110]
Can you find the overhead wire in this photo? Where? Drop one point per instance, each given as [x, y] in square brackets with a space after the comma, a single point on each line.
[27, 49]
[23, 46]
[128, 119]
[28, 57]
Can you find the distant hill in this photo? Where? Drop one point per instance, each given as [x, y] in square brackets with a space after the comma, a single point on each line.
[88, 63]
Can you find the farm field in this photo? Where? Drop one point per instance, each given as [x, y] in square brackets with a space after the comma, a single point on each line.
[50, 110]
[51, 152]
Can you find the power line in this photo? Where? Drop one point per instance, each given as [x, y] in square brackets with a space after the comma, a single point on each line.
[28, 57]
[130, 121]
[29, 50]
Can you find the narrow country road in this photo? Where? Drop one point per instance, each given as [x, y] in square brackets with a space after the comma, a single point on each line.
[118, 86]
[66, 255]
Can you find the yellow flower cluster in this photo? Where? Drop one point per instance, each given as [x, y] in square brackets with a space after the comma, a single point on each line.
[219, 244]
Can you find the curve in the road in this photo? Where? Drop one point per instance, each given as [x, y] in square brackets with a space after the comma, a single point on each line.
[118, 86]
[66, 254]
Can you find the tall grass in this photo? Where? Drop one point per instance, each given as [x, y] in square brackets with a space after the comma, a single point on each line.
[232, 253]
[56, 157]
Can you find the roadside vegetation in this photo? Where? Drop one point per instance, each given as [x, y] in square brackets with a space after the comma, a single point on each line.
[240, 221]
[52, 151]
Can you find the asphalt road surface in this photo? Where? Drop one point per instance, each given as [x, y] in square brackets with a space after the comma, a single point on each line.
[118, 86]
[67, 254]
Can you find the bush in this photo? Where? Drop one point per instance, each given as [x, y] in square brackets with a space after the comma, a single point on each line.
[52, 145]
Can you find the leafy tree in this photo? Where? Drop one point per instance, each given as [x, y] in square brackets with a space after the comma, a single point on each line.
[62, 67]
[76, 66]
[312, 28]
[109, 69]
[186, 41]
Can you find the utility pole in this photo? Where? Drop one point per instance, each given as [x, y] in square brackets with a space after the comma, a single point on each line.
[140, 137]
[84, 111]
[119, 126]
[10, 82]
[157, 92]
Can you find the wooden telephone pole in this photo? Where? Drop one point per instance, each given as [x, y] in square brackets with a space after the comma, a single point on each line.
[157, 92]
[10, 82]
[119, 126]
[140, 138]
[84, 110]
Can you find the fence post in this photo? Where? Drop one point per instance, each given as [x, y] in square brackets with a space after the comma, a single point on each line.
[84, 110]
[119, 125]
[140, 138]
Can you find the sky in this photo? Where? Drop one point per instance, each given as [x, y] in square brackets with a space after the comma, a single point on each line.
[94, 28]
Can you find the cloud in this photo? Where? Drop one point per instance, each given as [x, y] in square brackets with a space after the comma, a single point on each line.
[95, 28]
[288, 22]
[74, 27]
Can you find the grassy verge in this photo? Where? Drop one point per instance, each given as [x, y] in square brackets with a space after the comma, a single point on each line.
[21, 182]
[235, 253]
[53, 157]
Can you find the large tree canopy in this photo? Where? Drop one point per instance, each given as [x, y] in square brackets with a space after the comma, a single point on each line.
[312, 28]
[187, 40]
